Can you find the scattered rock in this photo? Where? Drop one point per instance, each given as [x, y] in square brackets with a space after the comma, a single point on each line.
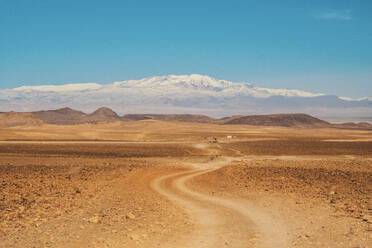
[95, 219]
[130, 216]
[134, 237]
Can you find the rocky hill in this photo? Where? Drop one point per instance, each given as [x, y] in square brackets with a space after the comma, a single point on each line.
[284, 120]
[172, 117]
[61, 116]
[354, 125]
[103, 114]
[68, 116]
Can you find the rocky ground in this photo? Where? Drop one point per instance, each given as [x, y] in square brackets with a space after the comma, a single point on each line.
[346, 184]
[90, 201]
[279, 190]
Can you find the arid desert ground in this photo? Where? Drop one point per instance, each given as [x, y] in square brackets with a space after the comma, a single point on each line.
[183, 185]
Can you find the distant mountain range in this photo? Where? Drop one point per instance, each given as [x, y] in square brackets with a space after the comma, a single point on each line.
[183, 94]
[68, 116]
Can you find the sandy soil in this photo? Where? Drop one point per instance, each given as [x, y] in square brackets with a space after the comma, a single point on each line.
[268, 187]
[317, 206]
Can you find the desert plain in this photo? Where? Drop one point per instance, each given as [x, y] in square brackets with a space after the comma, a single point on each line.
[172, 184]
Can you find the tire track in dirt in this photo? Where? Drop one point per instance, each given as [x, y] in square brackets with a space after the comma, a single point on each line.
[221, 222]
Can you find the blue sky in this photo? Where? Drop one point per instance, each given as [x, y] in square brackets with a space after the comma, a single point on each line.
[314, 45]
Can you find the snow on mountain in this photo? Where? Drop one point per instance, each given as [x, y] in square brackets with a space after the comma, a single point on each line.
[196, 94]
[355, 100]
[207, 85]
[60, 88]
[289, 93]
[172, 84]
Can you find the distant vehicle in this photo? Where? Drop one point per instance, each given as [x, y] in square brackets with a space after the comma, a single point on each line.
[212, 140]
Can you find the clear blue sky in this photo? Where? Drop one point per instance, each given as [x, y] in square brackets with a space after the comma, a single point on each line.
[315, 45]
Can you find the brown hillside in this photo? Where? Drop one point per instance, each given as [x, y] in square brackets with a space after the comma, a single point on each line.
[68, 116]
[284, 120]
[228, 118]
[104, 114]
[13, 119]
[172, 117]
[353, 125]
[61, 116]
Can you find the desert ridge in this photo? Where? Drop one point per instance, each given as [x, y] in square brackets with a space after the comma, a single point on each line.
[68, 116]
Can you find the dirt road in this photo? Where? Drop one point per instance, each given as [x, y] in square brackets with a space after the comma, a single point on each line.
[221, 222]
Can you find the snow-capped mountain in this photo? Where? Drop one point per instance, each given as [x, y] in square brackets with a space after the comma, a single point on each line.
[194, 93]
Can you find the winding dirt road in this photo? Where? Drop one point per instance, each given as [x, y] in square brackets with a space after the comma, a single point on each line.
[221, 222]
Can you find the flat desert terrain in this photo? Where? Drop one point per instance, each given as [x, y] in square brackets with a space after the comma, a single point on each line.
[183, 185]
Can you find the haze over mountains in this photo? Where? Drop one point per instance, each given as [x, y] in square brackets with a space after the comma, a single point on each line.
[190, 94]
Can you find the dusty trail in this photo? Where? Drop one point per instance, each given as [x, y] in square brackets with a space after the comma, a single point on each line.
[221, 222]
